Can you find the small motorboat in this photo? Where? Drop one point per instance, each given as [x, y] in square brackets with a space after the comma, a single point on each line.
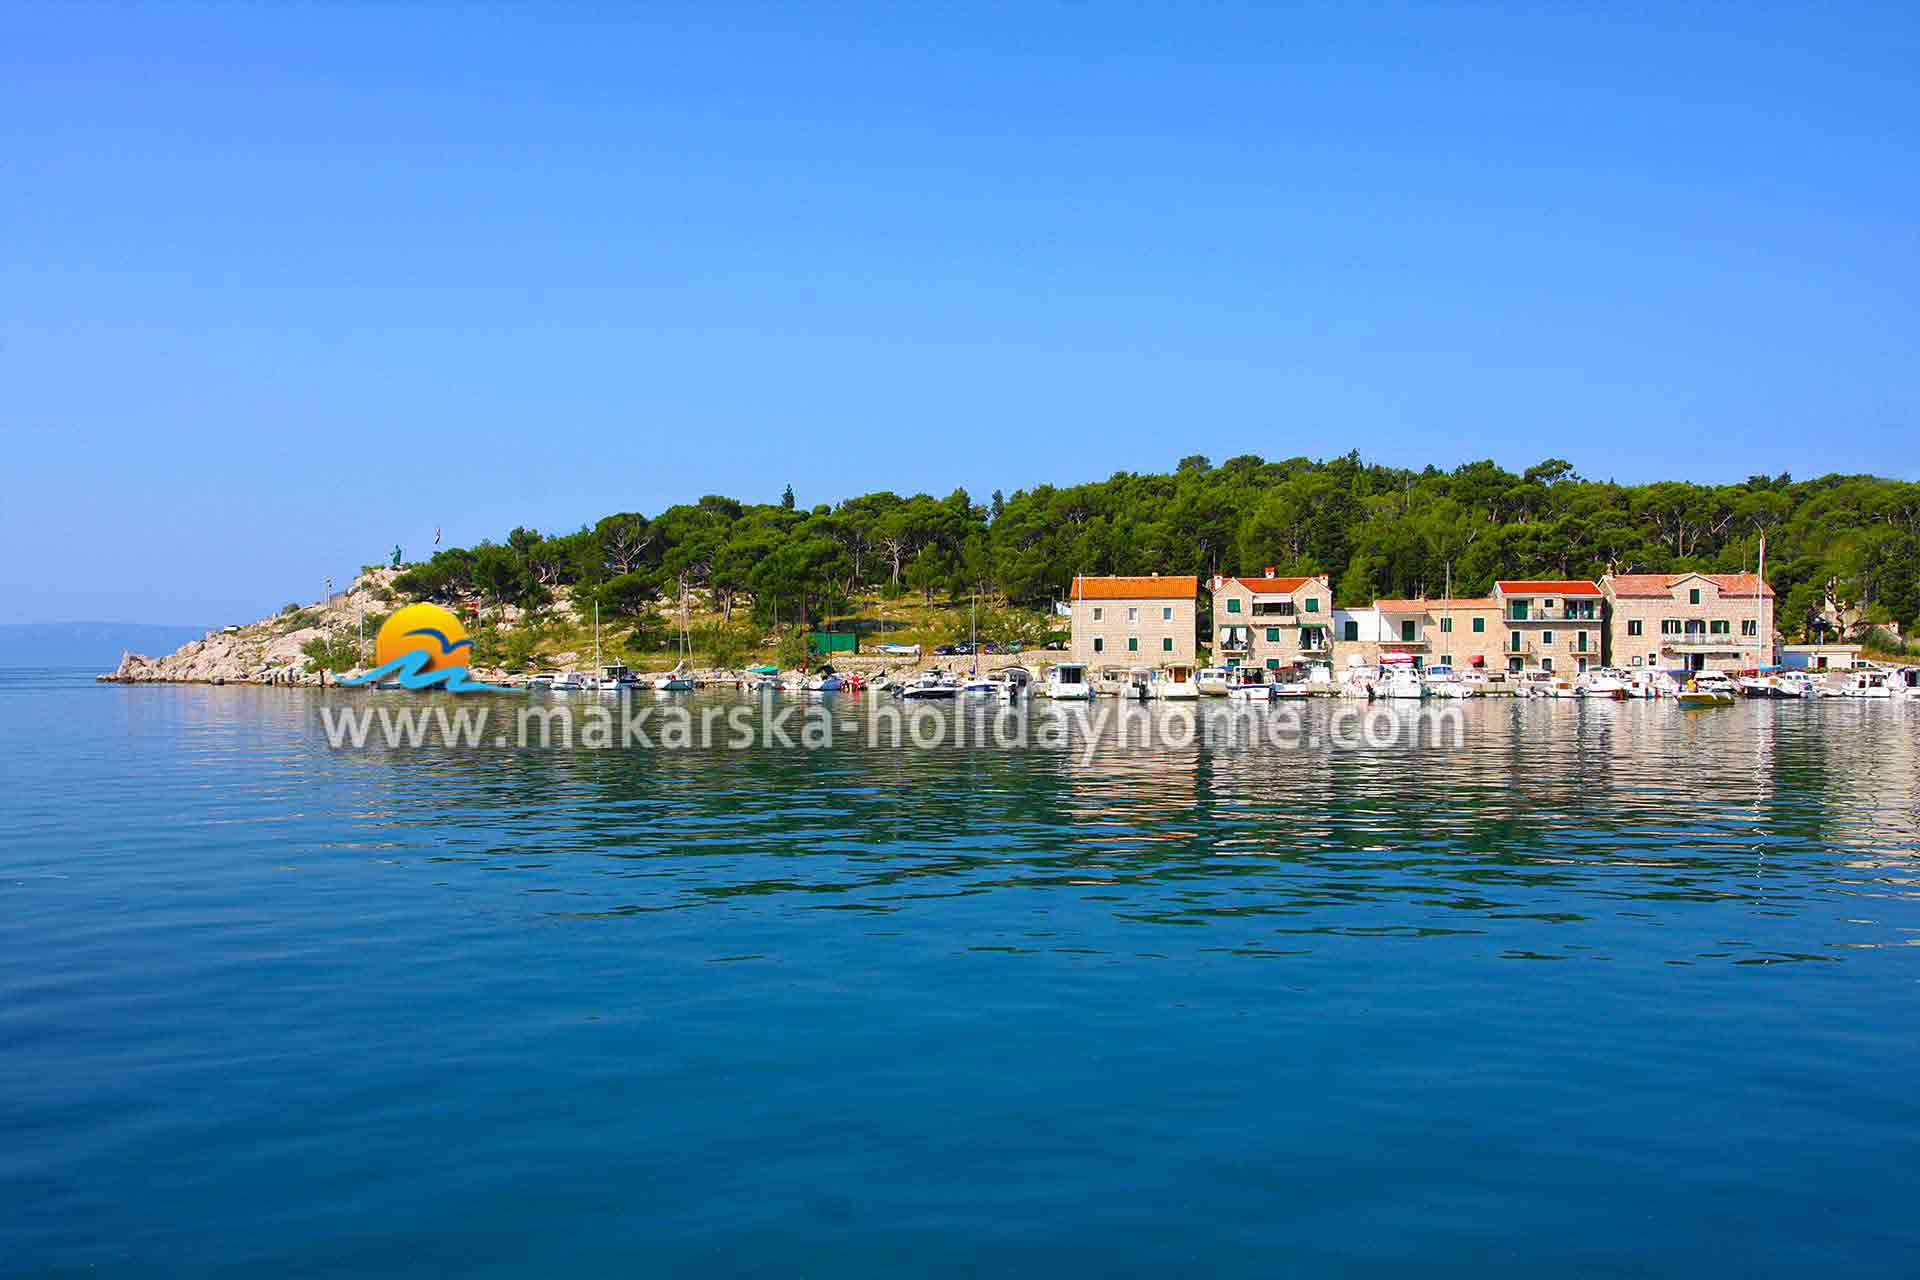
[1603, 683]
[1443, 682]
[1213, 682]
[1015, 682]
[1068, 682]
[1401, 680]
[1249, 684]
[1174, 684]
[568, 682]
[934, 684]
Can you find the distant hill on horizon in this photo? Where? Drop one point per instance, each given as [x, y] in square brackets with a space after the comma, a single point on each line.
[87, 644]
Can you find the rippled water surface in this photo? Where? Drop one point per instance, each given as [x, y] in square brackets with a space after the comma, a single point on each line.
[1611, 990]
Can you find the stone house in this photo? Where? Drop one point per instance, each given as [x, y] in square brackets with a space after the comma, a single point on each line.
[1145, 621]
[1689, 621]
[1272, 622]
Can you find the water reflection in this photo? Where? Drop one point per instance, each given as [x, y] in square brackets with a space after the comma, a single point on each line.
[1553, 826]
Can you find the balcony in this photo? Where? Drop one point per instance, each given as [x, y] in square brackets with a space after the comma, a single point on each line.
[1235, 644]
[1573, 613]
[1708, 644]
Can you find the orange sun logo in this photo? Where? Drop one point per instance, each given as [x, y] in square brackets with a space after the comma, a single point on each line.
[429, 629]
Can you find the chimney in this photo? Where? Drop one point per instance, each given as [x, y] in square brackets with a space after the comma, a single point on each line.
[1267, 572]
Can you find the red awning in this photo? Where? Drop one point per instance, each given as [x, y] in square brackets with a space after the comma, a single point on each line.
[1479, 661]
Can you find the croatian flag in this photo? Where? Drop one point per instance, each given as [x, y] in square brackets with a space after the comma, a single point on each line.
[436, 535]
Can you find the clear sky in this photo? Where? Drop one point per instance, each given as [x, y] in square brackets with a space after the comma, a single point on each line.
[284, 284]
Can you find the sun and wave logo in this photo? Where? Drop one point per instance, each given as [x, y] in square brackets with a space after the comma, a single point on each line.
[423, 647]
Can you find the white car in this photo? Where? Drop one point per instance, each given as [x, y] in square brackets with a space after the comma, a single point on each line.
[898, 650]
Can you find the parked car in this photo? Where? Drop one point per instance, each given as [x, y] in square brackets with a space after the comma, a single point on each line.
[945, 650]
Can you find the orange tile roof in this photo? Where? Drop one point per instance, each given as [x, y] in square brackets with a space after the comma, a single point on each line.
[1273, 586]
[1442, 602]
[1547, 587]
[1145, 587]
[1636, 585]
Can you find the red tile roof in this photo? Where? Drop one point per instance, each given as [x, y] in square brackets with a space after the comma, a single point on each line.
[1154, 587]
[1273, 586]
[1547, 587]
[1659, 585]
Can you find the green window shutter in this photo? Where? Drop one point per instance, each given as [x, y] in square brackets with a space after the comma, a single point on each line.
[1233, 605]
[1479, 625]
[1166, 644]
[1098, 644]
[1313, 604]
[1693, 596]
[1446, 626]
[1273, 634]
[1273, 664]
[1406, 630]
[1133, 644]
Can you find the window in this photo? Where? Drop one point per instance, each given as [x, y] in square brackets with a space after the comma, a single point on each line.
[1479, 625]
[1233, 605]
[1546, 637]
[1636, 659]
[1313, 604]
[1633, 629]
[1693, 596]
[1407, 630]
[1517, 611]
[1546, 664]
[1133, 615]
[1350, 630]
[1653, 659]
[1579, 642]
[1721, 627]
[1749, 627]
[1546, 604]
[1166, 644]
[1446, 626]
[1514, 664]
[1273, 664]
[1446, 659]
[1096, 613]
[1166, 614]
[1133, 644]
[1273, 635]
[1669, 626]
[1098, 644]
[1516, 644]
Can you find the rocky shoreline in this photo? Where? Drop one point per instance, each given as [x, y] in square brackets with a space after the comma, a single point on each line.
[271, 651]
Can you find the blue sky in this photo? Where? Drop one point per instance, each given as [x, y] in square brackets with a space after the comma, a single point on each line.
[287, 284]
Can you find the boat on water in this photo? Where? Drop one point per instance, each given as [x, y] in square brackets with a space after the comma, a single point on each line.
[1861, 684]
[539, 682]
[1604, 683]
[1708, 689]
[934, 684]
[1213, 682]
[1481, 683]
[1068, 681]
[1174, 683]
[1399, 678]
[979, 685]
[1443, 681]
[1249, 684]
[1651, 682]
[1543, 684]
[1296, 682]
[1014, 683]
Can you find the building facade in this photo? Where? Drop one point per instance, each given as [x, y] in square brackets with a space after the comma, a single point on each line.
[1463, 633]
[1272, 622]
[1136, 621]
[1550, 625]
[1689, 621]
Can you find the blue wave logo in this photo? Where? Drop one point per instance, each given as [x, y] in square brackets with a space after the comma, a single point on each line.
[421, 647]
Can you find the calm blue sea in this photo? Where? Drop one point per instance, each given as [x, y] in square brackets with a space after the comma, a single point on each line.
[1614, 990]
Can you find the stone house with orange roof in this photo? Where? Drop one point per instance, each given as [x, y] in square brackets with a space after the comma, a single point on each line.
[1551, 624]
[1458, 632]
[1139, 621]
[1271, 621]
[1689, 621]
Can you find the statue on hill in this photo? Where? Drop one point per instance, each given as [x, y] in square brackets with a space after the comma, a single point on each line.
[396, 555]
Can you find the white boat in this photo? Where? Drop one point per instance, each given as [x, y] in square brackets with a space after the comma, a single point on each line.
[1481, 683]
[1443, 682]
[1320, 677]
[674, 681]
[979, 684]
[1798, 684]
[1213, 682]
[1400, 680]
[568, 682]
[1862, 684]
[1014, 683]
[1249, 684]
[1651, 682]
[1068, 681]
[540, 682]
[1543, 684]
[1603, 683]
[1174, 684]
